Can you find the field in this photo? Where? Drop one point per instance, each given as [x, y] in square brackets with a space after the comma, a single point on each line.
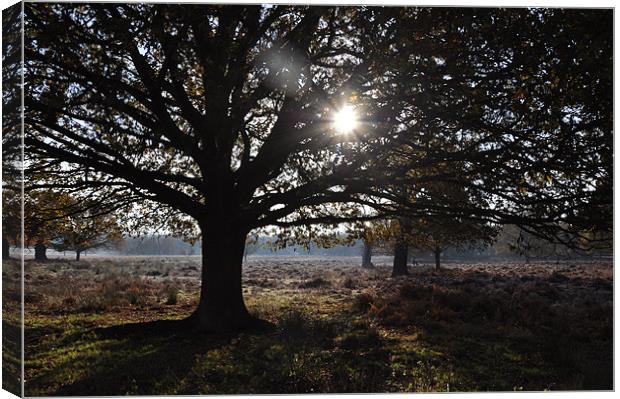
[113, 326]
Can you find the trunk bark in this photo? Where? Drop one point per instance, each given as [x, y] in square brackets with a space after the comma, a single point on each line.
[77, 255]
[40, 252]
[437, 259]
[367, 256]
[400, 259]
[221, 307]
[6, 254]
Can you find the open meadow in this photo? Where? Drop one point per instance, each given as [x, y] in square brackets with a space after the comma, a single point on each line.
[113, 326]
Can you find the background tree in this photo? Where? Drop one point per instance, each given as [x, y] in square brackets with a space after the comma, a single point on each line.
[367, 247]
[392, 235]
[44, 218]
[363, 231]
[85, 231]
[251, 245]
[437, 235]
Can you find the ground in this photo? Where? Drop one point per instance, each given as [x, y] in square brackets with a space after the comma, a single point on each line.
[110, 326]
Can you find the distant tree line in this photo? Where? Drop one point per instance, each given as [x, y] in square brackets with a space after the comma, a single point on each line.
[157, 245]
[510, 243]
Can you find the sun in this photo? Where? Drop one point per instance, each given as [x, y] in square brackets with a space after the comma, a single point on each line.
[345, 119]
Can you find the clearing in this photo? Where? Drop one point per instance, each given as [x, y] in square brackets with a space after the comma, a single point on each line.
[108, 326]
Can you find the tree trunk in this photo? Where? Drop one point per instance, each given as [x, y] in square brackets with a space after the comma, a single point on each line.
[221, 307]
[77, 255]
[40, 252]
[400, 259]
[6, 254]
[437, 252]
[367, 256]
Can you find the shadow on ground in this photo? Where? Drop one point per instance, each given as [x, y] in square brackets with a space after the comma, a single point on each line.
[11, 353]
[502, 333]
[144, 356]
[300, 355]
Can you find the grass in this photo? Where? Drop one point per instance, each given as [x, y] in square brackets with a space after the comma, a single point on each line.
[465, 329]
[11, 328]
[523, 337]
[74, 357]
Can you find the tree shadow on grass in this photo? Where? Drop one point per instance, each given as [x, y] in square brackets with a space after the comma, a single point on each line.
[11, 354]
[125, 359]
[299, 355]
[503, 333]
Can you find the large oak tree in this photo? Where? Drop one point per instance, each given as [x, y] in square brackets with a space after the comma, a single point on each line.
[222, 113]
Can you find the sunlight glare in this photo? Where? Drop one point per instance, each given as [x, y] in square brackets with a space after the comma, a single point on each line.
[345, 119]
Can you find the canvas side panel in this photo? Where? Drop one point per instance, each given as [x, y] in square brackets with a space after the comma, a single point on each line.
[12, 162]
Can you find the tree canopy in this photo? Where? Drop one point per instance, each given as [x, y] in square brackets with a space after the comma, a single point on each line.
[498, 101]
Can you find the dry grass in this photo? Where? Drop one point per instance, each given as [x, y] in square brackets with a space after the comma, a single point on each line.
[550, 325]
[340, 328]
